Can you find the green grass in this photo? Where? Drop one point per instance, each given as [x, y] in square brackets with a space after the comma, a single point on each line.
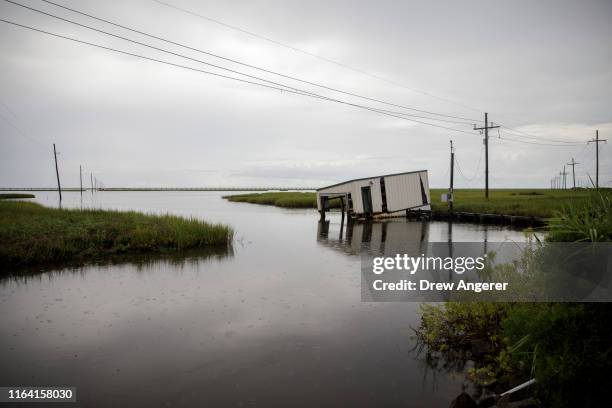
[31, 234]
[286, 199]
[565, 346]
[526, 202]
[541, 203]
[6, 196]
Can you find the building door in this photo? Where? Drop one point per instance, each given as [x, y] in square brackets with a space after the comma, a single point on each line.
[366, 198]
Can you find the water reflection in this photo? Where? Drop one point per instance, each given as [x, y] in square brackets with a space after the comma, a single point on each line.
[387, 237]
[176, 260]
[417, 239]
[279, 322]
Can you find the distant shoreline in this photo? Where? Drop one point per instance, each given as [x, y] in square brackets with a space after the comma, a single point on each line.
[160, 189]
[470, 204]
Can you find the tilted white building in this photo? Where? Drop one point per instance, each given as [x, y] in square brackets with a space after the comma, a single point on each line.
[384, 194]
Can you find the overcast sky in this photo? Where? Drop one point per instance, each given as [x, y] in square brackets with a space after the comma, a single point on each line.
[542, 68]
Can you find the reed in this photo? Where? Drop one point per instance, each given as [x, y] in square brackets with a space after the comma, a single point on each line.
[33, 234]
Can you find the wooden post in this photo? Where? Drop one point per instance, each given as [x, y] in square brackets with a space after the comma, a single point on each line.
[486, 156]
[486, 144]
[322, 211]
[452, 174]
[59, 186]
[342, 219]
[597, 141]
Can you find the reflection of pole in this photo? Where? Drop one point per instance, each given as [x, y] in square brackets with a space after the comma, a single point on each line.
[450, 245]
[485, 239]
[323, 228]
[349, 230]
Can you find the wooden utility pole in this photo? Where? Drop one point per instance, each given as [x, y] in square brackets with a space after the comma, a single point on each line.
[450, 197]
[486, 128]
[597, 141]
[59, 186]
[81, 178]
[564, 174]
[562, 179]
[573, 164]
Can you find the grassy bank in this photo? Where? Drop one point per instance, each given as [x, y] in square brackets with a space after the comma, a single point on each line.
[566, 347]
[287, 199]
[542, 203]
[527, 202]
[32, 234]
[6, 196]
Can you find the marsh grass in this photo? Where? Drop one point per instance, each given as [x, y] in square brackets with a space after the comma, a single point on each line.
[541, 203]
[33, 234]
[525, 202]
[587, 220]
[286, 199]
[566, 347]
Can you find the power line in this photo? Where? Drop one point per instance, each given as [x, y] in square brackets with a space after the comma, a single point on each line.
[470, 179]
[285, 89]
[520, 133]
[335, 62]
[148, 45]
[510, 139]
[536, 143]
[234, 60]
[261, 69]
[320, 57]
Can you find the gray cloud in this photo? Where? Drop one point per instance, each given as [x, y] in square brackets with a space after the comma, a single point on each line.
[543, 68]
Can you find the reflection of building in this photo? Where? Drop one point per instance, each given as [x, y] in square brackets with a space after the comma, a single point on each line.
[371, 196]
[388, 237]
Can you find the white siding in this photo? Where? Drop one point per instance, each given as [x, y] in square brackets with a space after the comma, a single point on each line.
[343, 188]
[402, 191]
[374, 184]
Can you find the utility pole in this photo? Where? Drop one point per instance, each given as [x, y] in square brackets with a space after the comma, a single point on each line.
[597, 141]
[564, 178]
[81, 178]
[59, 187]
[486, 143]
[452, 175]
[573, 164]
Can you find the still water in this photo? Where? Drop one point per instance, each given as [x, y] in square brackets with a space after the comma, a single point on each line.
[277, 322]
